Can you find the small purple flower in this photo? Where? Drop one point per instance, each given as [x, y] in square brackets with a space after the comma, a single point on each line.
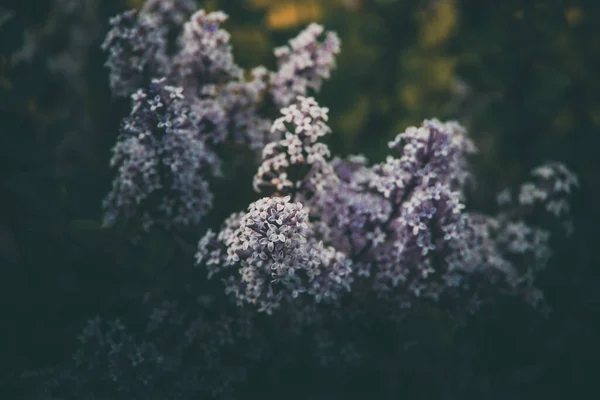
[212, 27]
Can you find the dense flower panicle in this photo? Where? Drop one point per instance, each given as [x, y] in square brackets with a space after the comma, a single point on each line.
[301, 126]
[133, 44]
[428, 229]
[434, 152]
[277, 256]
[206, 54]
[161, 162]
[139, 43]
[403, 248]
[303, 65]
[269, 245]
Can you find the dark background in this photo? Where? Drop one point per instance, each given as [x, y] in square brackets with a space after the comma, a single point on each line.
[521, 75]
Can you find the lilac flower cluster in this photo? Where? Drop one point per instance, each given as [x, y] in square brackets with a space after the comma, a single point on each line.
[223, 104]
[138, 43]
[205, 54]
[268, 247]
[303, 64]
[301, 125]
[399, 228]
[160, 158]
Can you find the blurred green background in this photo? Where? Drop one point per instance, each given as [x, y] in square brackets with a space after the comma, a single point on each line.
[521, 75]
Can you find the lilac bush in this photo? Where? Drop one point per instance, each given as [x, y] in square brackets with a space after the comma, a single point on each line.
[329, 243]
